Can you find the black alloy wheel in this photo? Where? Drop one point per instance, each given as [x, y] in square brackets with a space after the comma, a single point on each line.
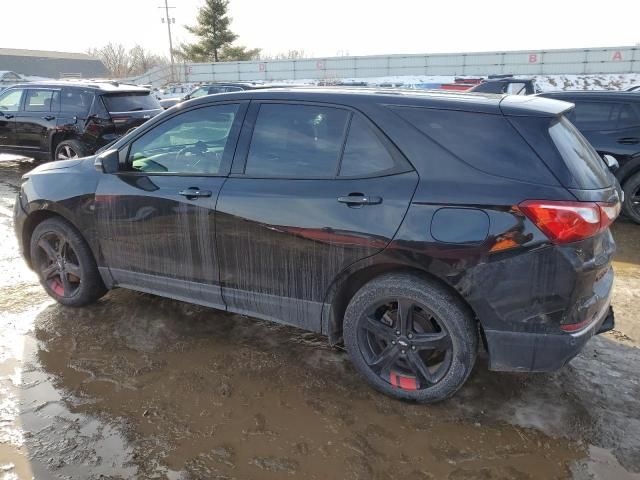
[405, 344]
[58, 265]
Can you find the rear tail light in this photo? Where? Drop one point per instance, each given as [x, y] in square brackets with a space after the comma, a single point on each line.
[566, 222]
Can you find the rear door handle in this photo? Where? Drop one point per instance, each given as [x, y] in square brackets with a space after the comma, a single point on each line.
[358, 199]
[49, 117]
[8, 116]
[629, 140]
[195, 192]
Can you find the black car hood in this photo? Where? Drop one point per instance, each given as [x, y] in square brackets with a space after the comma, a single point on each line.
[61, 164]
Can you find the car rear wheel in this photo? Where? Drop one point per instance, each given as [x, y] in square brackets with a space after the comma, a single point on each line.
[410, 338]
[69, 150]
[632, 198]
[64, 264]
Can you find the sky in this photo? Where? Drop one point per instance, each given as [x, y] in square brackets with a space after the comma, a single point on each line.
[330, 27]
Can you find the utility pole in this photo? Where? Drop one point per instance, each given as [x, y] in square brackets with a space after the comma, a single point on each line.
[166, 9]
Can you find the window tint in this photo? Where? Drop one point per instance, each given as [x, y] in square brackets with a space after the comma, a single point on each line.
[296, 140]
[485, 141]
[130, 102]
[629, 115]
[10, 101]
[76, 101]
[40, 101]
[516, 89]
[582, 160]
[594, 115]
[364, 153]
[192, 142]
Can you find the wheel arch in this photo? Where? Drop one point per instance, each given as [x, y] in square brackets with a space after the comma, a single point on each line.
[349, 282]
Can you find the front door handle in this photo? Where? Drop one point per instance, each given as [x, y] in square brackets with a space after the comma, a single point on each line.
[194, 192]
[629, 140]
[359, 199]
[8, 116]
[49, 117]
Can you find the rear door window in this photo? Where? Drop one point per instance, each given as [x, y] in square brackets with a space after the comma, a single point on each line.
[296, 141]
[591, 116]
[40, 100]
[629, 115]
[130, 102]
[586, 166]
[364, 153]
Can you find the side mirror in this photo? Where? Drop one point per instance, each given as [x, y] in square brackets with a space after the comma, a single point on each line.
[186, 97]
[107, 162]
[611, 162]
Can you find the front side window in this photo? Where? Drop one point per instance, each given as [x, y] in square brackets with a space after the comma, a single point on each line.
[192, 142]
[300, 141]
[10, 101]
[364, 152]
[40, 100]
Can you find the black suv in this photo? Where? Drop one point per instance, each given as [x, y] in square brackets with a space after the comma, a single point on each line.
[213, 89]
[62, 120]
[610, 120]
[410, 226]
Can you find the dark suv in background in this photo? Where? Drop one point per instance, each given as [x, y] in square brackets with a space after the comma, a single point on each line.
[213, 89]
[610, 120]
[408, 226]
[62, 120]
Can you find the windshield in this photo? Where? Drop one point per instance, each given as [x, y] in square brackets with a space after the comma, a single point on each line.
[130, 102]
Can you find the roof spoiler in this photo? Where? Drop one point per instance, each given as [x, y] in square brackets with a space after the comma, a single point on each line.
[533, 106]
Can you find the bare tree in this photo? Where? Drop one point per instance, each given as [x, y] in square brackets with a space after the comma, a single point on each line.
[121, 63]
[293, 54]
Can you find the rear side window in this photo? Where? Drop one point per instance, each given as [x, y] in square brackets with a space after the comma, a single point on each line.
[40, 101]
[485, 141]
[581, 159]
[130, 102]
[76, 101]
[364, 153]
[298, 141]
[629, 115]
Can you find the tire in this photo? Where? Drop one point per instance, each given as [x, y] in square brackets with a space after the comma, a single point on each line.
[59, 253]
[632, 194]
[439, 319]
[69, 149]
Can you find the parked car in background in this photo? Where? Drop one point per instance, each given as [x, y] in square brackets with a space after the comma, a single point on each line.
[610, 120]
[341, 211]
[62, 120]
[507, 84]
[212, 89]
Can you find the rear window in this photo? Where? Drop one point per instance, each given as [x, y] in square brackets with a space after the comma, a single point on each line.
[485, 141]
[581, 159]
[130, 102]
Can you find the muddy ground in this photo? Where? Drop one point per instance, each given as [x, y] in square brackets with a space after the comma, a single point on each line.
[138, 386]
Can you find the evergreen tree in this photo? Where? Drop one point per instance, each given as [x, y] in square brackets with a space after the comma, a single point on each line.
[213, 32]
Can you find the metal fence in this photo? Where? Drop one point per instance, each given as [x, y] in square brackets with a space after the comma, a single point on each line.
[525, 62]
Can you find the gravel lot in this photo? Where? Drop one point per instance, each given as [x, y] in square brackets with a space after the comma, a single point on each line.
[138, 386]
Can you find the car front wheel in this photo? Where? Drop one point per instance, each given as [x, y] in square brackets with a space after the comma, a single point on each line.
[64, 264]
[410, 337]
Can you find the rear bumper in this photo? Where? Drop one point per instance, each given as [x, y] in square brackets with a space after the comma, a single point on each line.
[539, 352]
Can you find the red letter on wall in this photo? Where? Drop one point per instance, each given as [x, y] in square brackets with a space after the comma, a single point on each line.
[617, 56]
[533, 58]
